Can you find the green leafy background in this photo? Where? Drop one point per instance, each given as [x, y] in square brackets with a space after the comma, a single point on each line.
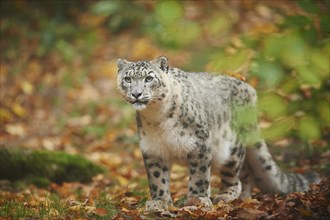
[53, 51]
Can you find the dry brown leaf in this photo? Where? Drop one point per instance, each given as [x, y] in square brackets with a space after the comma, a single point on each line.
[305, 212]
[125, 209]
[249, 213]
[130, 200]
[100, 212]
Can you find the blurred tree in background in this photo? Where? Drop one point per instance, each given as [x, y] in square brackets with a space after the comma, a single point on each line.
[58, 63]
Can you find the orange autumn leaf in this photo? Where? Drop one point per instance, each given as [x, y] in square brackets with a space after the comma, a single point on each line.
[100, 212]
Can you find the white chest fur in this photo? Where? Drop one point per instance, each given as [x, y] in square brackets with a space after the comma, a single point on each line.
[166, 141]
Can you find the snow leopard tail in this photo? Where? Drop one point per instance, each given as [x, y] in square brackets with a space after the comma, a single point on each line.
[270, 178]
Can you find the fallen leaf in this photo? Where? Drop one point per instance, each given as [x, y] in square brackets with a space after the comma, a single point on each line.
[75, 208]
[189, 209]
[291, 204]
[125, 209]
[100, 212]
[53, 212]
[249, 213]
[18, 110]
[15, 129]
[5, 114]
[122, 180]
[27, 87]
[305, 212]
[130, 200]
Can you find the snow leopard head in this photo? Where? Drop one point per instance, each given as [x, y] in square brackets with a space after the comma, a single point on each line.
[143, 82]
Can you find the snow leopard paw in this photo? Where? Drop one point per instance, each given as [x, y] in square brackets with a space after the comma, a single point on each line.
[199, 201]
[157, 205]
[226, 197]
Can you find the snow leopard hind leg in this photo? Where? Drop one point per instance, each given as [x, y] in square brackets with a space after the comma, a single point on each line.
[247, 181]
[231, 185]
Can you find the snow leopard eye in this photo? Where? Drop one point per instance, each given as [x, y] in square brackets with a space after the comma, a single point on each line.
[127, 79]
[148, 79]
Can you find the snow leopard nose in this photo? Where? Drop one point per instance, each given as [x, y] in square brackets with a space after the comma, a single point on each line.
[136, 94]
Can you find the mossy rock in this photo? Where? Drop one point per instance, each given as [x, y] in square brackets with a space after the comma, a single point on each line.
[41, 167]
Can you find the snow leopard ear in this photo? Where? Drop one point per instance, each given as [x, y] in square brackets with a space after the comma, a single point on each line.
[121, 63]
[162, 63]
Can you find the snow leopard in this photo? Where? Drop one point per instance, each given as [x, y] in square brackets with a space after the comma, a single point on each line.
[205, 121]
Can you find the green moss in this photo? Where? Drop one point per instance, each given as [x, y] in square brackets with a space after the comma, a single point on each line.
[15, 210]
[41, 167]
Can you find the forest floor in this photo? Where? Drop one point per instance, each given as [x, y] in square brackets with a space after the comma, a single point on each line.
[121, 193]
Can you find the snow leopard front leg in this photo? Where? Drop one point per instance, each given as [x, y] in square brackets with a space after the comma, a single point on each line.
[199, 169]
[158, 171]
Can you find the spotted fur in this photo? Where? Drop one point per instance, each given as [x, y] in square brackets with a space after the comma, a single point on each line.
[205, 121]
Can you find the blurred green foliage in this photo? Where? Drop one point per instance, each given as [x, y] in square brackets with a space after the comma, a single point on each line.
[287, 59]
[291, 61]
[169, 27]
[293, 65]
[50, 26]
